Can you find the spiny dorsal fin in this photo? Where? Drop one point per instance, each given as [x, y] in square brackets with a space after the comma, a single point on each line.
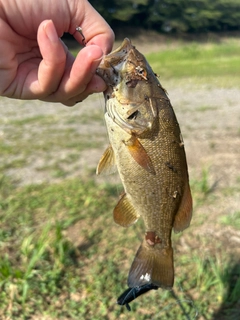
[124, 213]
[139, 154]
[184, 214]
[107, 162]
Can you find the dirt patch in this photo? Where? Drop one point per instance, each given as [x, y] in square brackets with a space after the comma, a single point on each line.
[209, 120]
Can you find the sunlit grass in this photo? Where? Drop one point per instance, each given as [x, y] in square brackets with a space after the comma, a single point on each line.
[63, 256]
[202, 63]
[202, 187]
[232, 219]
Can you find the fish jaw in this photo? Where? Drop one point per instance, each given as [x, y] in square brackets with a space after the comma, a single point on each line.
[109, 68]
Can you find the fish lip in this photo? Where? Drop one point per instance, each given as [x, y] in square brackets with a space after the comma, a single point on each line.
[108, 69]
[116, 57]
[126, 44]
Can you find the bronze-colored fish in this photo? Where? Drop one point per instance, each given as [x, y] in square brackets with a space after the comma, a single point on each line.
[147, 146]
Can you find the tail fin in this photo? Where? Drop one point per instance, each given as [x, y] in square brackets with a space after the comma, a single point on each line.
[152, 264]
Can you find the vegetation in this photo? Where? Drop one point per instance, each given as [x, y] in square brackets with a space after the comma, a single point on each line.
[59, 258]
[202, 63]
[62, 256]
[172, 15]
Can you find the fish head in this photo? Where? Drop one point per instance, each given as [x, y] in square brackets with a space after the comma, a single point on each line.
[110, 67]
[132, 89]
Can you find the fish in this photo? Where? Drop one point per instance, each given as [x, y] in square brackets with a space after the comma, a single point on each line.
[147, 149]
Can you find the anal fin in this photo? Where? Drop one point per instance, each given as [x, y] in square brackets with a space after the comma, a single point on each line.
[124, 213]
[184, 215]
[107, 162]
[139, 154]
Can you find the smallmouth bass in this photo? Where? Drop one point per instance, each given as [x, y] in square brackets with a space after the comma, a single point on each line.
[147, 147]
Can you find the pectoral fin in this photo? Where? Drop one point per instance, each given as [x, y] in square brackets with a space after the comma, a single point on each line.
[139, 154]
[124, 213]
[184, 214]
[107, 162]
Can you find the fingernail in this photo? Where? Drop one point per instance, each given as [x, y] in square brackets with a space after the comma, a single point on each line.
[51, 31]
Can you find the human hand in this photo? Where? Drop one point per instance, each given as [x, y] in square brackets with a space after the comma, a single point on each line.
[34, 62]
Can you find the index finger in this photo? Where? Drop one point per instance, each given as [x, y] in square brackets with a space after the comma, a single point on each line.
[95, 29]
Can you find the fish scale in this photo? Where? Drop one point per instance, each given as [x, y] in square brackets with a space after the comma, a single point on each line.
[147, 147]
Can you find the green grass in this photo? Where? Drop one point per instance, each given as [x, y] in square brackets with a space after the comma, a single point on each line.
[199, 63]
[63, 256]
[202, 187]
[233, 219]
[205, 108]
[48, 140]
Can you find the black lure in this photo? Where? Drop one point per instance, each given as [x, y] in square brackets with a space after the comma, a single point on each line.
[132, 293]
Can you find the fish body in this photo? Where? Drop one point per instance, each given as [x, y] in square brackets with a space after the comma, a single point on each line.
[147, 147]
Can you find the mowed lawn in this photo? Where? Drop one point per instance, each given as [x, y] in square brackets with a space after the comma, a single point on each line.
[62, 256]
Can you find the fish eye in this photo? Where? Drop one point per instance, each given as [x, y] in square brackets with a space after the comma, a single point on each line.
[139, 69]
[142, 72]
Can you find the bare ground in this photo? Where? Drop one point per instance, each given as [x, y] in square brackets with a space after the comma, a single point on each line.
[210, 124]
[209, 120]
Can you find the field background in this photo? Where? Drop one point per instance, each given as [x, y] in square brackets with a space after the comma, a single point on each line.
[62, 256]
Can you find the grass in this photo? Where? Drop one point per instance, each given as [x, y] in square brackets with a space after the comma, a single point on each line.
[205, 108]
[233, 219]
[59, 259]
[202, 187]
[62, 257]
[211, 63]
[47, 140]
[43, 136]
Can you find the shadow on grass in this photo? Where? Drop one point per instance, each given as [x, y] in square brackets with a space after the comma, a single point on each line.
[230, 307]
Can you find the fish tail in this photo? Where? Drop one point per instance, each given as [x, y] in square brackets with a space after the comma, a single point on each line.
[152, 264]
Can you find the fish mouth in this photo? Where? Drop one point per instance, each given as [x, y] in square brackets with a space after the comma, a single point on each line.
[113, 60]
[125, 47]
